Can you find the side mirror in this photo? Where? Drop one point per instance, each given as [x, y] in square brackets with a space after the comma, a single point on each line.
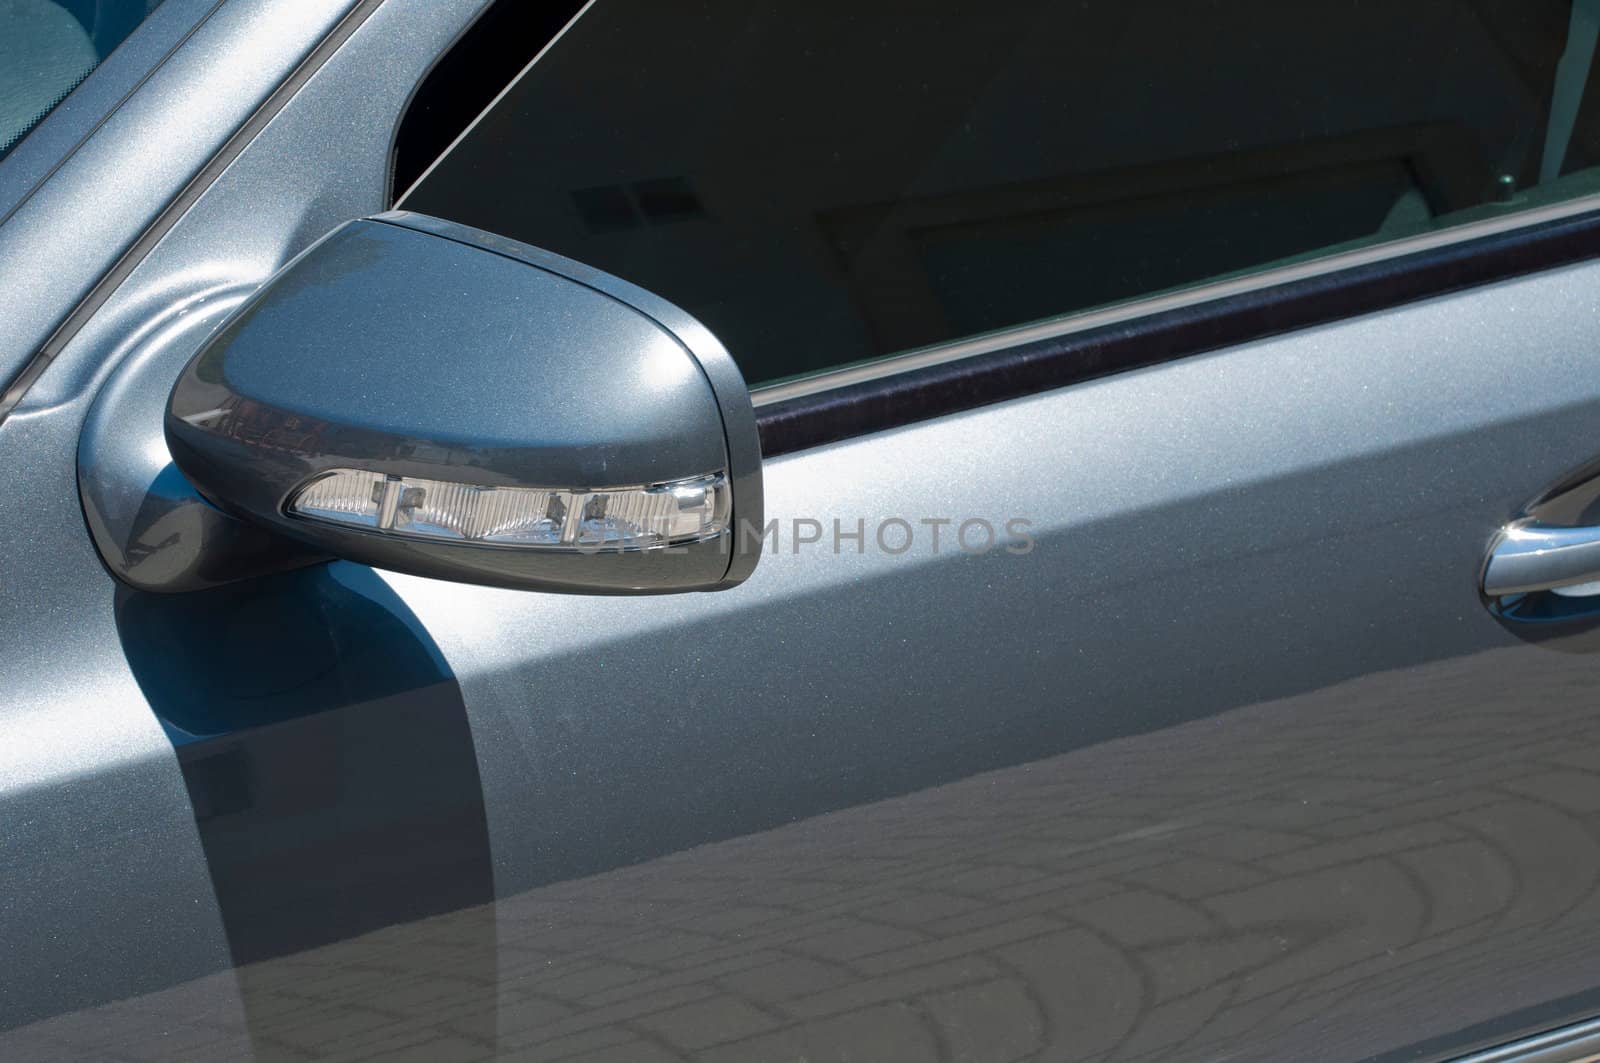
[428, 398]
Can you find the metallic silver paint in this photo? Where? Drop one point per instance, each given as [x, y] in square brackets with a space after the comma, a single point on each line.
[722, 374]
[85, 765]
[50, 143]
[1233, 763]
[415, 348]
[119, 178]
[866, 687]
[148, 522]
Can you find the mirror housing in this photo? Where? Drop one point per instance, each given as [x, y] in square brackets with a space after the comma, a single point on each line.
[429, 398]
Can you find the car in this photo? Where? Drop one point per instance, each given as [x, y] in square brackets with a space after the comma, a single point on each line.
[753, 531]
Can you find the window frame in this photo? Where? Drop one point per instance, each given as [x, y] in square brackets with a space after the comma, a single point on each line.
[969, 373]
[918, 384]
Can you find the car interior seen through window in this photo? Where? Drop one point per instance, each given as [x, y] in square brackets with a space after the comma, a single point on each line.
[823, 184]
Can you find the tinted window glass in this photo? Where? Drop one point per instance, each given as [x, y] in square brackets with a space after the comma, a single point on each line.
[825, 183]
[492, 51]
[48, 46]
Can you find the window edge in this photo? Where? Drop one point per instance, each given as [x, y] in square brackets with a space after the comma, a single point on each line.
[1013, 363]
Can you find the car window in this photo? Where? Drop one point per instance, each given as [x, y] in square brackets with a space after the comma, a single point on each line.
[823, 184]
[48, 46]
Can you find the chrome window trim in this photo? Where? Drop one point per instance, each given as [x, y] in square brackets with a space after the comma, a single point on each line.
[1052, 328]
[1579, 1043]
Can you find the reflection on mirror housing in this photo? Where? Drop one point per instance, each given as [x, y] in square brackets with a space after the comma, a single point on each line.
[425, 397]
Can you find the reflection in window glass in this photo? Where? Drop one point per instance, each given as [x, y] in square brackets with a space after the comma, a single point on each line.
[825, 183]
[48, 46]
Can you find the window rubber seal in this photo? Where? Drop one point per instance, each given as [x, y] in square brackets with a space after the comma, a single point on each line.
[933, 382]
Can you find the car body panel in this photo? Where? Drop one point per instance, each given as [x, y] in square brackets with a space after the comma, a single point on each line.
[110, 187]
[1232, 761]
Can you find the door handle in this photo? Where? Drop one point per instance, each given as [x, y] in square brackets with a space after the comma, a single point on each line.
[1528, 557]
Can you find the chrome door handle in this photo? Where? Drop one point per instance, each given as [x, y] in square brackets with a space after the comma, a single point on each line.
[1530, 557]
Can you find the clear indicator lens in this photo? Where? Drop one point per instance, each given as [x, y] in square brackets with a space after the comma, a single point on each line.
[624, 518]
